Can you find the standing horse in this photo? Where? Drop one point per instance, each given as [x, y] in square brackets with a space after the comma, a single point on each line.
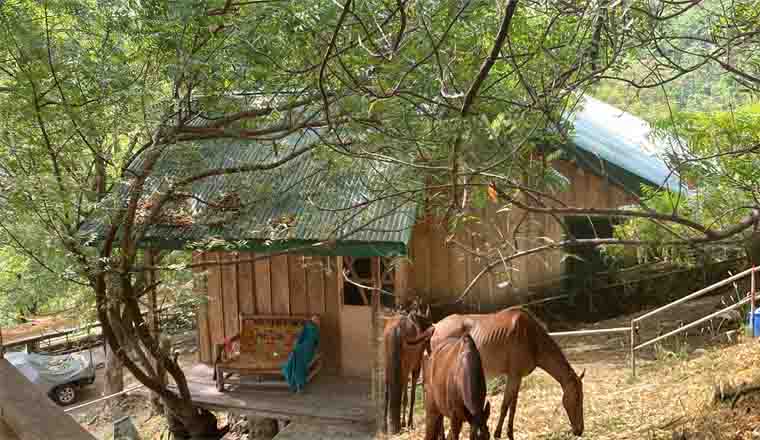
[513, 343]
[402, 361]
[455, 387]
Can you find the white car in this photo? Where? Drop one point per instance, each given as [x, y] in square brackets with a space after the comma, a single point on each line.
[61, 376]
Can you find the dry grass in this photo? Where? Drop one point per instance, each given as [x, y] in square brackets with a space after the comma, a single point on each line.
[672, 395]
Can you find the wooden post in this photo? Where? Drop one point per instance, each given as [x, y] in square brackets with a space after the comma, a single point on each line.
[401, 281]
[378, 370]
[633, 348]
[752, 301]
[154, 325]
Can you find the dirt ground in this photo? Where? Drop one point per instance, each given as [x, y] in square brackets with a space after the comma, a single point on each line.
[672, 392]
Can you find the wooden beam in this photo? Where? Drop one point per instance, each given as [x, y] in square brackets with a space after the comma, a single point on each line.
[200, 288]
[230, 306]
[315, 285]
[401, 281]
[29, 413]
[6, 433]
[280, 285]
[331, 317]
[321, 431]
[299, 298]
[154, 324]
[246, 287]
[215, 299]
[263, 277]
[376, 342]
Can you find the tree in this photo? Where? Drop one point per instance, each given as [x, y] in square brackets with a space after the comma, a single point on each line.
[457, 93]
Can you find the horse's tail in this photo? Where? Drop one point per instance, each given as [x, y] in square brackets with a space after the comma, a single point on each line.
[393, 370]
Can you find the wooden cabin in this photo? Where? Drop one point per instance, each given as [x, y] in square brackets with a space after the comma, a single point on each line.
[611, 157]
[316, 208]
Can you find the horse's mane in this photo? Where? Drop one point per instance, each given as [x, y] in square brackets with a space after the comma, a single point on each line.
[544, 338]
[530, 314]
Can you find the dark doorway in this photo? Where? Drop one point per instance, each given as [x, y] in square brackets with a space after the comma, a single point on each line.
[586, 260]
[360, 270]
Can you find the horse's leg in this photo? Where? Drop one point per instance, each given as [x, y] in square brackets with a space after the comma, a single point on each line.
[403, 405]
[387, 404]
[404, 399]
[513, 409]
[456, 428]
[510, 393]
[432, 422]
[412, 396]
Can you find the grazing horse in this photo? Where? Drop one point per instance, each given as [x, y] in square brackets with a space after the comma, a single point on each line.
[455, 387]
[513, 343]
[403, 359]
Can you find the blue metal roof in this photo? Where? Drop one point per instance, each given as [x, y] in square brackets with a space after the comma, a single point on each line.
[622, 140]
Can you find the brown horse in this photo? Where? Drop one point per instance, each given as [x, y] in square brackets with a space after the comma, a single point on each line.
[455, 387]
[403, 359]
[513, 343]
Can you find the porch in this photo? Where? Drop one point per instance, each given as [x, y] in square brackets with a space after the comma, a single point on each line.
[327, 400]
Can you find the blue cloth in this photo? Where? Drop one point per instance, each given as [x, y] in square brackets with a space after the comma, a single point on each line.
[296, 369]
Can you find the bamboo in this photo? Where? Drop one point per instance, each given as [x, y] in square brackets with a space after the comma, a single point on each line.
[696, 294]
[699, 321]
[592, 332]
[752, 303]
[110, 396]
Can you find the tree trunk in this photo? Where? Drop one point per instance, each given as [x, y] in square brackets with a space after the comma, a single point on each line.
[261, 428]
[187, 422]
[148, 280]
[752, 247]
[114, 375]
[113, 380]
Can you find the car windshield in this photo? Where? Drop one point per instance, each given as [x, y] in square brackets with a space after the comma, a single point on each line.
[48, 370]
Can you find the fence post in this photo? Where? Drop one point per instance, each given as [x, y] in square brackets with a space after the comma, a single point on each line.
[633, 348]
[752, 301]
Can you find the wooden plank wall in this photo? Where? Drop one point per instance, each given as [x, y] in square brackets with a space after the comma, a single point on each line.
[440, 272]
[289, 285]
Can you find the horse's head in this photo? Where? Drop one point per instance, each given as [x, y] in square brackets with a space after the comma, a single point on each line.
[572, 399]
[479, 427]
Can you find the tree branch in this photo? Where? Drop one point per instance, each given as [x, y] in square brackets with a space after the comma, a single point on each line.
[323, 66]
[492, 57]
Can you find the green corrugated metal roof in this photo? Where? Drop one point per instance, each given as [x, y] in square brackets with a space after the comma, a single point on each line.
[616, 143]
[322, 200]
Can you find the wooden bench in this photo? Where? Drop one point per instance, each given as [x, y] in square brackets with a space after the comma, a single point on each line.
[263, 346]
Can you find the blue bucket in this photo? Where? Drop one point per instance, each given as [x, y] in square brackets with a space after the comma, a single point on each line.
[753, 323]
